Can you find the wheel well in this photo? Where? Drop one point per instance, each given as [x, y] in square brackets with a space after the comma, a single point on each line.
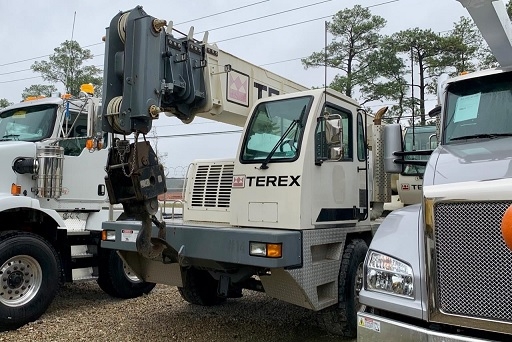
[29, 220]
[365, 236]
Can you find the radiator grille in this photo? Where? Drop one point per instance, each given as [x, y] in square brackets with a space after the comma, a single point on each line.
[212, 186]
[474, 266]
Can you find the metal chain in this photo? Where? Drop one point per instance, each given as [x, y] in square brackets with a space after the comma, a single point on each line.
[123, 151]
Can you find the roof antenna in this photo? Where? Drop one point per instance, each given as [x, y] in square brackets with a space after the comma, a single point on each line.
[325, 62]
[70, 52]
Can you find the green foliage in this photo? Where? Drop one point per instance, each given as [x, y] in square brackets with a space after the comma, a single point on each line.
[509, 9]
[459, 50]
[5, 103]
[423, 46]
[355, 34]
[66, 66]
[38, 89]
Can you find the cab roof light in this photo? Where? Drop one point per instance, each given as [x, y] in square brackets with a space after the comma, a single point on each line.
[87, 88]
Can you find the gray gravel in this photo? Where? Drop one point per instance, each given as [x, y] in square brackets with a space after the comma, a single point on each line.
[82, 312]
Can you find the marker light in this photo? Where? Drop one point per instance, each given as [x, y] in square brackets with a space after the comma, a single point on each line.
[15, 189]
[108, 235]
[506, 227]
[268, 250]
[89, 144]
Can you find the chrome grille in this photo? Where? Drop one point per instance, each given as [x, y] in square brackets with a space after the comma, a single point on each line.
[474, 266]
[212, 186]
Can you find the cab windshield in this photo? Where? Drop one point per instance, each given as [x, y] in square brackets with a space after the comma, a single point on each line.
[479, 108]
[28, 124]
[421, 138]
[275, 130]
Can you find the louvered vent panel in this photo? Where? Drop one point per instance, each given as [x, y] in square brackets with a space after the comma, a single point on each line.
[212, 186]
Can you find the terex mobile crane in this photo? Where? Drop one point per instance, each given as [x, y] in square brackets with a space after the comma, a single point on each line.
[52, 204]
[452, 280]
[290, 215]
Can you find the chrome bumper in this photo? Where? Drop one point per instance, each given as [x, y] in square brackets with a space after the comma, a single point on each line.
[372, 328]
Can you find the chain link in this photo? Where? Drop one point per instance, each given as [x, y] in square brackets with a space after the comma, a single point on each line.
[123, 149]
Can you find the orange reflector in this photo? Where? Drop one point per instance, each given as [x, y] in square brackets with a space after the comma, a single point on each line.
[506, 227]
[66, 96]
[15, 189]
[104, 235]
[274, 250]
[89, 144]
[88, 88]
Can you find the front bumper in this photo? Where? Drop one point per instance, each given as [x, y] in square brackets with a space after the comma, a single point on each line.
[227, 245]
[373, 328]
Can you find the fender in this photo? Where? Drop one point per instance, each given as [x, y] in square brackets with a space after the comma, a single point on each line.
[399, 237]
[16, 202]
[96, 219]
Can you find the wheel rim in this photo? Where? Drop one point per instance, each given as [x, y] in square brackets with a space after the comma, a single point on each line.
[21, 279]
[130, 275]
[358, 285]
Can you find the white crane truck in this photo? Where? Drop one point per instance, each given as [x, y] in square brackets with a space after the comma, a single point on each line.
[52, 204]
[440, 270]
[289, 215]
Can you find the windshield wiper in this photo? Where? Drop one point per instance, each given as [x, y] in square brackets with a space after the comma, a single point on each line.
[482, 136]
[264, 165]
[7, 136]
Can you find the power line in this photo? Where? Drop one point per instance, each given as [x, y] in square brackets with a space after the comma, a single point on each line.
[295, 24]
[265, 16]
[31, 59]
[214, 14]
[193, 134]
[94, 44]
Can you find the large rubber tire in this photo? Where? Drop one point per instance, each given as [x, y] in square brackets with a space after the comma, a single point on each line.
[117, 280]
[200, 288]
[29, 278]
[341, 319]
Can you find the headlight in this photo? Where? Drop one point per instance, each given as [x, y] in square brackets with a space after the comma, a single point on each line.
[389, 275]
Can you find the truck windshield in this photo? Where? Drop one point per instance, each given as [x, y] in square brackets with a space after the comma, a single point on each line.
[275, 130]
[479, 108]
[424, 138]
[28, 124]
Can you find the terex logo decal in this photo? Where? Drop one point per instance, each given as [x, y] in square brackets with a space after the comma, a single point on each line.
[240, 180]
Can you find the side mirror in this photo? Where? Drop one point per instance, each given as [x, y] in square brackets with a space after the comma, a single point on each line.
[392, 143]
[435, 111]
[94, 123]
[333, 131]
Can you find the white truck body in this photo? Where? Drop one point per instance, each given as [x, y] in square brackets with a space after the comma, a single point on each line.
[451, 283]
[52, 203]
[288, 215]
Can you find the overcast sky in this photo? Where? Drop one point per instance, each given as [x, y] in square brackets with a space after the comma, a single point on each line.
[32, 29]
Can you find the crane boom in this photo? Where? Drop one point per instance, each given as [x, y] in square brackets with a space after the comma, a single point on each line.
[149, 71]
[491, 18]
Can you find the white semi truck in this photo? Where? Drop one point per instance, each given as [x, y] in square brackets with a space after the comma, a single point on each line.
[289, 215]
[52, 204]
[440, 270]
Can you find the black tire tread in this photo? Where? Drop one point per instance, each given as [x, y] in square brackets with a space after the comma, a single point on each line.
[113, 281]
[341, 319]
[26, 314]
[199, 288]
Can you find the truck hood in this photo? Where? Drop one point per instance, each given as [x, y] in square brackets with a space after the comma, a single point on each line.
[483, 159]
[9, 151]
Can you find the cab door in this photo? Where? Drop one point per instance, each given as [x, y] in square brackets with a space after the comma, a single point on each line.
[337, 186]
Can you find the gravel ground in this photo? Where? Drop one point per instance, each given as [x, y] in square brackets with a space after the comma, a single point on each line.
[82, 312]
